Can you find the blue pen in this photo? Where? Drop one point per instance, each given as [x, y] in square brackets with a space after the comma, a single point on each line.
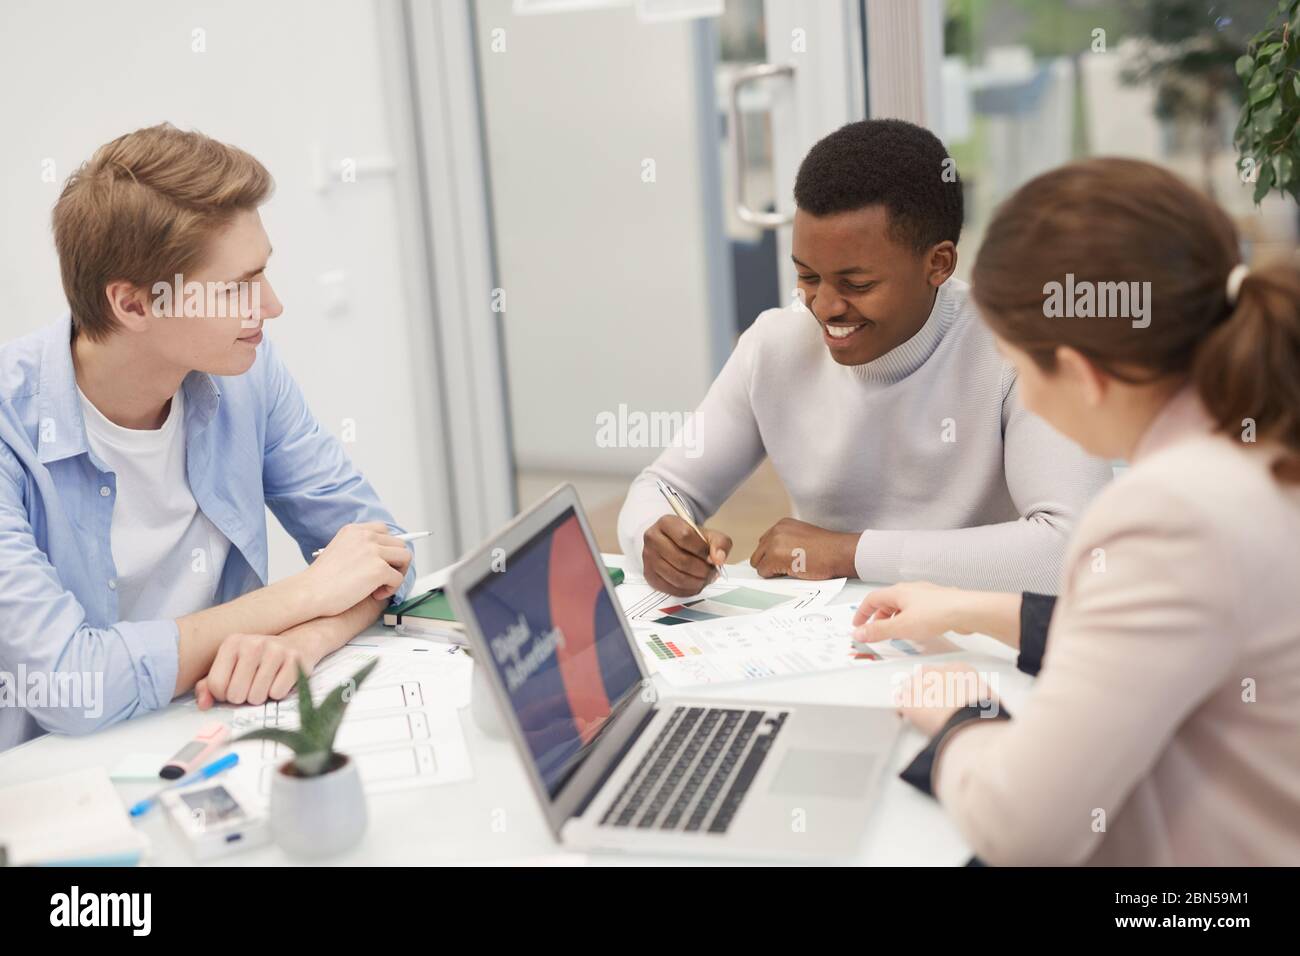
[203, 773]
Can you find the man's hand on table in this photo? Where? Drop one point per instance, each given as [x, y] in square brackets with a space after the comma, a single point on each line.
[797, 549]
[255, 668]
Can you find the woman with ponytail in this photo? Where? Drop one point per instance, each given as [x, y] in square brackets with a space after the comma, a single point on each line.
[1164, 727]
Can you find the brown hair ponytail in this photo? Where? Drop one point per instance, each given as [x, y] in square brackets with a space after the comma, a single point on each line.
[1248, 369]
[1123, 224]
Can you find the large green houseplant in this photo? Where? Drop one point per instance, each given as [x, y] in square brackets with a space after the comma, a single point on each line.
[1268, 134]
[1186, 51]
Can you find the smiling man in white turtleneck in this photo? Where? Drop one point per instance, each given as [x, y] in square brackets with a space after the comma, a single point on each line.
[880, 398]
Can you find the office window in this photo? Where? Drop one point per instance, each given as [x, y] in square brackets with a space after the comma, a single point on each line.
[1026, 86]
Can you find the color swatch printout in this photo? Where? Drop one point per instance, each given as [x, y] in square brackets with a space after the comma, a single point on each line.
[734, 603]
[646, 607]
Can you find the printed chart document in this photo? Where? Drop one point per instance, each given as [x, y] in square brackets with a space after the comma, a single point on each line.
[646, 607]
[779, 644]
[402, 726]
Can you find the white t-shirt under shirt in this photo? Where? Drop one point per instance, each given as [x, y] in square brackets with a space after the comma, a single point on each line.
[169, 556]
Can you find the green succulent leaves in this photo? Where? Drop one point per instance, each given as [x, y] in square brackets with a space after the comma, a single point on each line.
[313, 742]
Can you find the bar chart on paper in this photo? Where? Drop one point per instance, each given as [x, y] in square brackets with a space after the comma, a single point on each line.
[733, 603]
[646, 607]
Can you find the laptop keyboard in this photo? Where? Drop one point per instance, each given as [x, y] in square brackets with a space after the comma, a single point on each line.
[696, 774]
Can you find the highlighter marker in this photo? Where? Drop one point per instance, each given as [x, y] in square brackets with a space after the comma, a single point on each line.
[190, 756]
[220, 765]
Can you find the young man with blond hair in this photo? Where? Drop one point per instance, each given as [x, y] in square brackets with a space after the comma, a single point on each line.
[143, 436]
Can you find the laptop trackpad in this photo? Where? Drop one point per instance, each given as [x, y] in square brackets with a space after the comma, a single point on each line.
[825, 773]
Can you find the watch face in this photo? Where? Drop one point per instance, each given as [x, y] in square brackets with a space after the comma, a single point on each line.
[211, 805]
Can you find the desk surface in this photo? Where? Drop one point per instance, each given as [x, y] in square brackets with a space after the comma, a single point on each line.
[494, 817]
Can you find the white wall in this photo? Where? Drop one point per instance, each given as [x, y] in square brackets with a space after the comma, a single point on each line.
[606, 277]
[276, 79]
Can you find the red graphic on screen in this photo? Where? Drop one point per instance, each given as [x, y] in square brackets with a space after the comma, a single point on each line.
[575, 584]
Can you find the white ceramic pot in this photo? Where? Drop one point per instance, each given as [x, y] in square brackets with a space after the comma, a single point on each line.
[316, 817]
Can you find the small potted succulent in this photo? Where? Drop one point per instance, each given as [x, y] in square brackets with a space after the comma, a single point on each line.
[318, 807]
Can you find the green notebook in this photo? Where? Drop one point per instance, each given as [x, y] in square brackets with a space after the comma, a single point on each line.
[434, 606]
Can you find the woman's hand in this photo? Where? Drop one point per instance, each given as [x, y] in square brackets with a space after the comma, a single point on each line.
[914, 611]
[920, 611]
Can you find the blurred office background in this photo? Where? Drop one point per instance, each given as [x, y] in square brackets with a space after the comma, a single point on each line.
[497, 220]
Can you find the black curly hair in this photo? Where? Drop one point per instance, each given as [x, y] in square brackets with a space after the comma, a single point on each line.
[888, 162]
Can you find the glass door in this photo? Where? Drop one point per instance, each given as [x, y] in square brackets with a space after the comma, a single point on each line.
[638, 160]
[613, 273]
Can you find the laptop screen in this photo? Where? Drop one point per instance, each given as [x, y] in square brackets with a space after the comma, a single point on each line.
[556, 641]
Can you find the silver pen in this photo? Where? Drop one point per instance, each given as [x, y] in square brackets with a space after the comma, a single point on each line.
[405, 536]
[679, 508]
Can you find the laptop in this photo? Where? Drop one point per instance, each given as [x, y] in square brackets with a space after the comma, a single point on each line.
[616, 767]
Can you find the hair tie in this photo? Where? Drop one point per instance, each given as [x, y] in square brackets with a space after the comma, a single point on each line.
[1235, 278]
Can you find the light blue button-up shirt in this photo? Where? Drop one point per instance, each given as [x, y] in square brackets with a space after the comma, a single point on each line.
[67, 663]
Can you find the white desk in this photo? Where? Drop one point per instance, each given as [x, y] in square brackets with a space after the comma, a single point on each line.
[495, 817]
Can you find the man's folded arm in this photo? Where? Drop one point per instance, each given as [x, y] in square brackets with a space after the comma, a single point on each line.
[1011, 556]
[90, 676]
[719, 448]
[1050, 480]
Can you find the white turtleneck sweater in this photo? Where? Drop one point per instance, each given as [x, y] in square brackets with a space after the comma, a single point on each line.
[925, 452]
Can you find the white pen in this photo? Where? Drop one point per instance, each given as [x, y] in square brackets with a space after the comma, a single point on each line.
[405, 536]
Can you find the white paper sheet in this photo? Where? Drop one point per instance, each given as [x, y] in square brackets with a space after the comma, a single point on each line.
[777, 644]
[401, 727]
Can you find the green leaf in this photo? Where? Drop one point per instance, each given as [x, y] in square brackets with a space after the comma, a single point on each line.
[313, 743]
[306, 706]
[333, 707]
[1264, 183]
[1264, 120]
[1245, 65]
[1264, 92]
[1296, 81]
[1267, 50]
[313, 764]
[292, 739]
[1285, 167]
